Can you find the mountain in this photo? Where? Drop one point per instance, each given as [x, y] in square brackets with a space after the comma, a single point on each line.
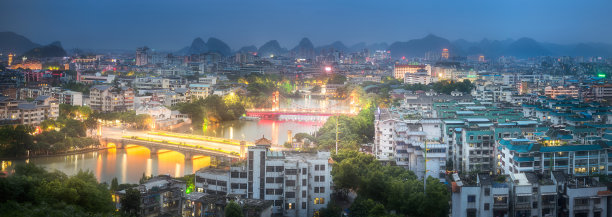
[216, 45]
[526, 47]
[336, 46]
[247, 49]
[304, 49]
[271, 48]
[14, 43]
[198, 46]
[371, 47]
[419, 47]
[52, 50]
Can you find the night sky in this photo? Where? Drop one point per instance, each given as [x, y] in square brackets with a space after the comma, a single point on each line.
[171, 25]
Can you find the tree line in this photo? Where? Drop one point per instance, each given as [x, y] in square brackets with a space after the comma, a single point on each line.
[32, 191]
[383, 189]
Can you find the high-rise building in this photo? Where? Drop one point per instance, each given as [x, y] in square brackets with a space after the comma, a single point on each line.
[445, 54]
[142, 56]
[10, 59]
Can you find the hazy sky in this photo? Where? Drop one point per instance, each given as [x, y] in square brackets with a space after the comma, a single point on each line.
[172, 24]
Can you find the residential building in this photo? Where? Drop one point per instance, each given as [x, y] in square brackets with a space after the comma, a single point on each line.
[400, 70]
[569, 91]
[200, 91]
[297, 184]
[105, 98]
[161, 195]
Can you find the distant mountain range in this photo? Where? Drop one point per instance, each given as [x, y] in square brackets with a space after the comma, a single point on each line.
[11, 42]
[522, 47]
[198, 46]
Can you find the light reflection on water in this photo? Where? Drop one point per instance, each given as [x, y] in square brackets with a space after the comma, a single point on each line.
[127, 165]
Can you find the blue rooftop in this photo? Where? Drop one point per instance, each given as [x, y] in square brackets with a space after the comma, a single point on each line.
[570, 148]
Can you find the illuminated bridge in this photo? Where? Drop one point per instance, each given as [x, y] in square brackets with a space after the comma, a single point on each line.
[274, 113]
[189, 150]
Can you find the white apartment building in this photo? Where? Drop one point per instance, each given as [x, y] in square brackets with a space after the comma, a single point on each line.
[297, 184]
[420, 77]
[200, 90]
[69, 97]
[482, 197]
[404, 141]
[106, 98]
[529, 194]
[29, 113]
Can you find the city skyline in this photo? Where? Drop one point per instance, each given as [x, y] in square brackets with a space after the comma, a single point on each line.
[127, 25]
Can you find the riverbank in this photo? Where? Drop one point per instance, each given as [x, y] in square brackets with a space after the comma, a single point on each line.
[81, 151]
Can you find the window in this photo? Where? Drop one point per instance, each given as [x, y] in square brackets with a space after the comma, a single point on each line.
[278, 203]
[316, 167]
[303, 182]
[269, 168]
[289, 206]
[280, 168]
[304, 170]
[269, 191]
[269, 179]
[322, 179]
[235, 174]
[235, 186]
[290, 194]
[487, 191]
[322, 190]
[486, 206]
[290, 182]
[471, 198]
[278, 191]
[303, 193]
[319, 200]
[303, 205]
[243, 186]
[279, 180]
[291, 172]
[322, 167]
[471, 137]
[316, 178]
[316, 190]
[243, 174]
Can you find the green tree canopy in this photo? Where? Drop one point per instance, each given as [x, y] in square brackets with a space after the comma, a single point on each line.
[233, 210]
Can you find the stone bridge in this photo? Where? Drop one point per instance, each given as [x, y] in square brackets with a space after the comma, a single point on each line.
[155, 147]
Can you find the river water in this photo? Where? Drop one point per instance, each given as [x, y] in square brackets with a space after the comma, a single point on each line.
[128, 165]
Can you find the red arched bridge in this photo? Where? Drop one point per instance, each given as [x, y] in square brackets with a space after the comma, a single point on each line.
[274, 113]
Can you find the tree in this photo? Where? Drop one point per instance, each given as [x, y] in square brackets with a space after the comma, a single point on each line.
[382, 188]
[31, 191]
[74, 128]
[130, 203]
[233, 210]
[114, 184]
[337, 79]
[315, 89]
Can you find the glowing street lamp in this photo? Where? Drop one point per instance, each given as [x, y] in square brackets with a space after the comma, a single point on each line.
[328, 69]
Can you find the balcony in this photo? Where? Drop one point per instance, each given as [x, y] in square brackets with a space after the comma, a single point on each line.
[500, 206]
[522, 205]
[581, 207]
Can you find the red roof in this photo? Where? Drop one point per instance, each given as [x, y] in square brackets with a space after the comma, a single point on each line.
[604, 193]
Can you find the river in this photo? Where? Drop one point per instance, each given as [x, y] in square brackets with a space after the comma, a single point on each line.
[128, 165]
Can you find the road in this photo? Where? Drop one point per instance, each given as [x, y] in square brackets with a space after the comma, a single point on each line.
[118, 133]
